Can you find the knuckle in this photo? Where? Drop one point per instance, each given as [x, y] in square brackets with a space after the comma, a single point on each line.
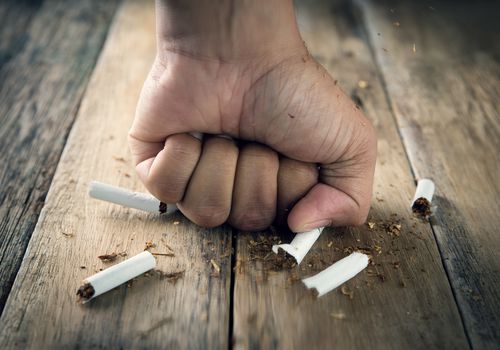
[209, 216]
[253, 219]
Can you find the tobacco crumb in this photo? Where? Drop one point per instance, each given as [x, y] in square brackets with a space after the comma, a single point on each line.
[164, 254]
[291, 116]
[65, 234]
[83, 267]
[371, 225]
[329, 244]
[394, 229]
[347, 292]
[216, 268]
[123, 254]
[176, 223]
[85, 292]
[338, 315]
[422, 207]
[126, 174]
[362, 84]
[335, 82]
[149, 245]
[108, 257]
[171, 277]
[119, 159]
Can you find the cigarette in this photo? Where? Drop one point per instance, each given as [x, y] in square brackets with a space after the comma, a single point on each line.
[112, 277]
[337, 274]
[421, 203]
[300, 245]
[136, 200]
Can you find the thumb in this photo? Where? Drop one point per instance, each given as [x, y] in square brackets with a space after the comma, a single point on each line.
[342, 198]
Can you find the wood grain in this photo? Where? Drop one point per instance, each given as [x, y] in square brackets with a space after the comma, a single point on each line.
[404, 299]
[47, 52]
[73, 230]
[445, 95]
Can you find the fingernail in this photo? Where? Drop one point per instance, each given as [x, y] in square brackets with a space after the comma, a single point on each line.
[315, 224]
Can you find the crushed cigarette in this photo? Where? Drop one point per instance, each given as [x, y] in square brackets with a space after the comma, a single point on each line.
[337, 274]
[136, 200]
[300, 245]
[421, 203]
[114, 276]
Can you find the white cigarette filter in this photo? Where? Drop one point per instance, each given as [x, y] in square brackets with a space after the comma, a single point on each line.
[300, 245]
[112, 277]
[425, 189]
[136, 200]
[337, 274]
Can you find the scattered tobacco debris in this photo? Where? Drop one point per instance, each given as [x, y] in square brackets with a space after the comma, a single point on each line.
[164, 254]
[347, 292]
[394, 229]
[261, 250]
[171, 277]
[216, 268]
[422, 207]
[149, 245]
[119, 159]
[85, 292]
[108, 257]
[338, 315]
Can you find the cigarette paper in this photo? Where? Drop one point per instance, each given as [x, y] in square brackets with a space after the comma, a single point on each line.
[300, 245]
[112, 277]
[136, 200]
[337, 274]
[425, 189]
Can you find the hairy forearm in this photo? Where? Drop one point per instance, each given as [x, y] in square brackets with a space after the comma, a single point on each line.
[226, 29]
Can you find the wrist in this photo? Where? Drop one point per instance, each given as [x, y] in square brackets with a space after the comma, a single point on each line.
[227, 30]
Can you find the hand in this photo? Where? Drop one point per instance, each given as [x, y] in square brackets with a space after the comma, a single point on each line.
[247, 74]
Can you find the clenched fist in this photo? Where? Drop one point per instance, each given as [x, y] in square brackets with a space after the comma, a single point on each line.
[281, 140]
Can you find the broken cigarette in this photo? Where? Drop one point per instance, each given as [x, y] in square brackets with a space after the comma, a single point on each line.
[337, 274]
[136, 200]
[112, 277]
[300, 245]
[421, 203]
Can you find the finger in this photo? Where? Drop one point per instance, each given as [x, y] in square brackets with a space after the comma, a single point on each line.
[254, 195]
[167, 175]
[207, 201]
[343, 197]
[295, 179]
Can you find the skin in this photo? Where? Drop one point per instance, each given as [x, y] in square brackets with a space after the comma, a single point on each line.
[301, 152]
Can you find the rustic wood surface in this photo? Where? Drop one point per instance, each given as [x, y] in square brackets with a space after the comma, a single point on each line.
[154, 312]
[445, 95]
[44, 68]
[426, 75]
[403, 300]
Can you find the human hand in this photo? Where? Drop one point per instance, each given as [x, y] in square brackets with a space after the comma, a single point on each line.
[247, 74]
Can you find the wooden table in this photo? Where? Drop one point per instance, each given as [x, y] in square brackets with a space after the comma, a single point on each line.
[427, 75]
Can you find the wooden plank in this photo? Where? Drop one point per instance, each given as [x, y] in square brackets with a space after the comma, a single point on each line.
[46, 56]
[73, 230]
[445, 96]
[15, 17]
[404, 299]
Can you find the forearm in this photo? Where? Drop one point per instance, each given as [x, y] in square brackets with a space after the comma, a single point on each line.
[226, 29]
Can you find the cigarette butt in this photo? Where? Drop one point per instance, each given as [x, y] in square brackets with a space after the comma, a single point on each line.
[116, 275]
[337, 274]
[300, 245]
[136, 200]
[421, 203]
